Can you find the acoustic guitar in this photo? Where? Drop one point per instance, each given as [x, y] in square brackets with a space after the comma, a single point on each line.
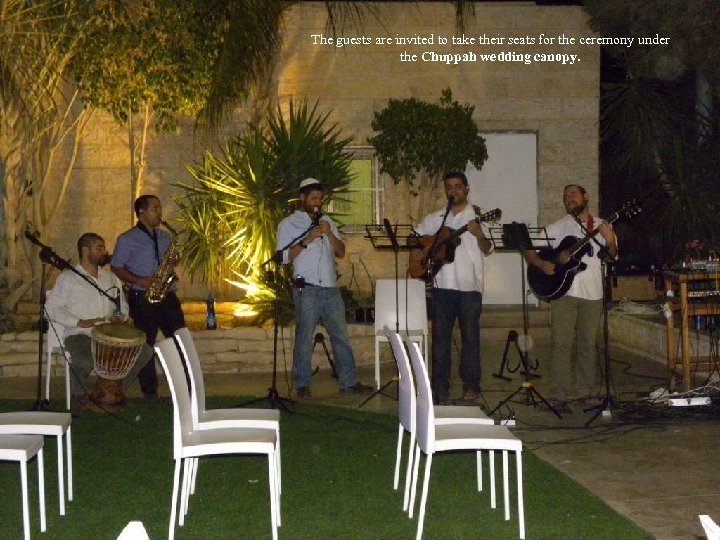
[554, 286]
[439, 249]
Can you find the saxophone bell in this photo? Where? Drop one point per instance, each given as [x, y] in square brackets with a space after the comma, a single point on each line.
[164, 275]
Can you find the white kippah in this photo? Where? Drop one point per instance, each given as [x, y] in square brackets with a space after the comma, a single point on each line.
[309, 182]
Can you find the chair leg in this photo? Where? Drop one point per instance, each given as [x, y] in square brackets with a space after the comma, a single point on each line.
[413, 491]
[398, 456]
[185, 490]
[377, 363]
[67, 383]
[478, 457]
[272, 482]
[173, 507]
[408, 472]
[493, 498]
[521, 504]
[423, 498]
[506, 487]
[68, 447]
[48, 371]
[25, 504]
[41, 489]
[61, 475]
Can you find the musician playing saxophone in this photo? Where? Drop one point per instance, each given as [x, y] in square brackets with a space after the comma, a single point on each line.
[138, 254]
[457, 290]
[576, 315]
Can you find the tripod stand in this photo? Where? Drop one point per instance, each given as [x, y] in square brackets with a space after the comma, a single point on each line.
[516, 237]
[320, 338]
[383, 318]
[273, 396]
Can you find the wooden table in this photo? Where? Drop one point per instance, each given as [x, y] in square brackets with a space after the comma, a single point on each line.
[680, 288]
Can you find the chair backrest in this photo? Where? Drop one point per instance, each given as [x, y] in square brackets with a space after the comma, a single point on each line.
[425, 412]
[194, 369]
[712, 531]
[407, 400]
[172, 365]
[410, 306]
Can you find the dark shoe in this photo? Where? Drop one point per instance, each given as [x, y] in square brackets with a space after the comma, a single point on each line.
[303, 393]
[358, 388]
[150, 396]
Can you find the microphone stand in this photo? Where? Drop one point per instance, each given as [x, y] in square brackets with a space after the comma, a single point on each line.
[49, 257]
[273, 395]
[604, 408]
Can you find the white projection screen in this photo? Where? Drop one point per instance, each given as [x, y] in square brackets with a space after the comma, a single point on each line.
[508, 181]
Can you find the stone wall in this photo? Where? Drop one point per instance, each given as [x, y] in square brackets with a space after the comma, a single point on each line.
[557, 101]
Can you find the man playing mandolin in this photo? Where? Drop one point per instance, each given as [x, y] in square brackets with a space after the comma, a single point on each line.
[576, 308]
[457, 286]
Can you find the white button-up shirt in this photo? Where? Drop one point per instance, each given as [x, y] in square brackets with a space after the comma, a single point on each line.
[73, 299]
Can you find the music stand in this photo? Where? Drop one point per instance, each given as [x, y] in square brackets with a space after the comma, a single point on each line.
[384, 237]
[520, 238]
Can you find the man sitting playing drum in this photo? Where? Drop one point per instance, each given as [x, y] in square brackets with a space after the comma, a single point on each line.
[78, 306]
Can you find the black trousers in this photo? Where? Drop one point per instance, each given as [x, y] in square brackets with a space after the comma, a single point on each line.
[166, 316]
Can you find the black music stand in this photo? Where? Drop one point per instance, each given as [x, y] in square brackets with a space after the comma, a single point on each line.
[520, 238]
[385, 237]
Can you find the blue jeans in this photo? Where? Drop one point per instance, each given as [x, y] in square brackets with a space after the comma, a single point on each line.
[312, 304]
[465, 306]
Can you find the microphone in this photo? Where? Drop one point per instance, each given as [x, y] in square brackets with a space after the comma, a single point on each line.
[451, 200]
[105, 259]
[317, 214]
[33, 237]
[574, 211]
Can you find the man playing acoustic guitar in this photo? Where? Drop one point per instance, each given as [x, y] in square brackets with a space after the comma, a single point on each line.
[457, 289]
[576, 314]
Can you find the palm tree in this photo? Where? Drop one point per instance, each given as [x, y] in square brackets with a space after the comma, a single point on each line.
[232, 211]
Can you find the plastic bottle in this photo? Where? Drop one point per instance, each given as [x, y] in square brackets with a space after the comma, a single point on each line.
[210, 320]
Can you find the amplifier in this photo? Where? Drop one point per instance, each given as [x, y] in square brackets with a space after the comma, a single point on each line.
[634, 288]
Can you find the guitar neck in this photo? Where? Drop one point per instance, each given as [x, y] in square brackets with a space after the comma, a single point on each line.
[580, 244]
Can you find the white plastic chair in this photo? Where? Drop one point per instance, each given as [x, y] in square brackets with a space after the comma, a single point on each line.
[190, 442]
[134, 530]
[712, 531]
[432, 438]
[407, 405]
[22, 448]
[410, 319]
[218, 418]
[54, 345]
[50, 424]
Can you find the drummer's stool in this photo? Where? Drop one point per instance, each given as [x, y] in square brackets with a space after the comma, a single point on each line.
[55, 334]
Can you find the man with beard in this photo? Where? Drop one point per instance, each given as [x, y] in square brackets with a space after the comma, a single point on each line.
[78, 306]
[457, 290]
[576, 315]
[315, 292]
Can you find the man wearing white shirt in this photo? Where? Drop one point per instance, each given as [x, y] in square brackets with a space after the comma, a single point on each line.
[74, 303]
[576, 315]
[457, 290]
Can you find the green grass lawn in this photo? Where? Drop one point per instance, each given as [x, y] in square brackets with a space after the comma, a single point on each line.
[337, 467]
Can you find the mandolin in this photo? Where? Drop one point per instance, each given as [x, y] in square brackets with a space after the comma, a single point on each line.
[551, 287]
[439, 249]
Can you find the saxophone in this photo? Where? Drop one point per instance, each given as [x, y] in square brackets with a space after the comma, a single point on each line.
[164, 275]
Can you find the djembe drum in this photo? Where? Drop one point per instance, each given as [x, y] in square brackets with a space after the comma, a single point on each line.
[115, 349]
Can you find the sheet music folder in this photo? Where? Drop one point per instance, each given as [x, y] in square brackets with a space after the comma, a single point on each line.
[516, 236]
[380, 240]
